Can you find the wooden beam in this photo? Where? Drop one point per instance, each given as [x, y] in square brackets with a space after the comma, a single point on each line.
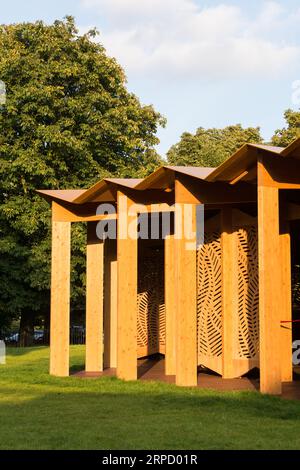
[195, 191]
[67, 212]
[229, 292]
[170, 289]
[110, 304]
[286, 303]
[94, 301]
[60, 298]
[127, 249]
[186, 283]
[270, 278]
[281, 172]
[239, 177]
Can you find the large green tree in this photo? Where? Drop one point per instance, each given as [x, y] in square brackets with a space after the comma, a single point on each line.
[68, 121]
[284, 137]
[210, 147]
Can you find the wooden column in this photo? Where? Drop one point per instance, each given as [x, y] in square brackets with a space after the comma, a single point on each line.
[229, 292]
[60, 295]
[286, 304]
[110, 304]
[186, 300]
[94, 301]
[270, 279]
[170, 306]
[127, 249]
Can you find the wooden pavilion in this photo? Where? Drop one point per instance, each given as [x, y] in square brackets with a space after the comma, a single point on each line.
[224, 305]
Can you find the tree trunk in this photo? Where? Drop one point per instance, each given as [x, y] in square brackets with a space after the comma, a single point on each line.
[26, 332]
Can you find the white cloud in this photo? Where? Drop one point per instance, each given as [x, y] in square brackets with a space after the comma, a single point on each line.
[177, 38]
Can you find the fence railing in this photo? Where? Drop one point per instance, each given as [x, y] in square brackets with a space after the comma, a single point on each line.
[42, 338]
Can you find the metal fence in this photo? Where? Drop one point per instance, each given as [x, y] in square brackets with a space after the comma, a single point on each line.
[42, 338]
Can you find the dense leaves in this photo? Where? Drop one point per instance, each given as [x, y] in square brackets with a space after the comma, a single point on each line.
[284, 137]
[210, 147]
[68, 121]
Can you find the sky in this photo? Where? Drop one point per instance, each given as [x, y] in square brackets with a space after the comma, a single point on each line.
[201, 63]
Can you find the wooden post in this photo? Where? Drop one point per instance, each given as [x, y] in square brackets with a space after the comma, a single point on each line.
[229, 292]
[170, 356]
[127, 249]
[186, 315]
[110, 304]
[60, 296]
[286, 304]
[270, 278]
[94, 301]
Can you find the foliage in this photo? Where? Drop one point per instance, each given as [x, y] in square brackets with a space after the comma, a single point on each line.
[284, 137]
[210, 147]
[67, 122]
[107, 413]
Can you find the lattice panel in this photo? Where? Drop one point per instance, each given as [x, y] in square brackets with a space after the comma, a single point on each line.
[209, 301]
[248, 292]
[151, 308]
[209, 308]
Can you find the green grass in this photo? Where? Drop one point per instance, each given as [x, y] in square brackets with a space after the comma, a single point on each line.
[42, 412]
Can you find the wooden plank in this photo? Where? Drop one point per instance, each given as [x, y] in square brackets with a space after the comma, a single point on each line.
[94, 301]
[60, 298]
[286, 304]
[186, 283]
[281, 173]
[110, 304]
[229, 293]
[170, 307]
[195, 191]
[270, 278]
[239, 177]
[127, 249]
[67, 212]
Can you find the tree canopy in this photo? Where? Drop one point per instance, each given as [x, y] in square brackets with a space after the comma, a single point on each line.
[284, 137]
[68, 120]
[210, 147]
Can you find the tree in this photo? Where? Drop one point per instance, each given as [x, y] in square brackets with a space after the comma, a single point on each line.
[68, 121]
[210, 147]
[284, 137]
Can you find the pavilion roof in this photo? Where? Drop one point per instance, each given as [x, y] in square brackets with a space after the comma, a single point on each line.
[240, 166]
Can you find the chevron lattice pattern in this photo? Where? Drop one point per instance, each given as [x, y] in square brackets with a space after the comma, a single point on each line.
[248, 293]
[151, 308]
[209, 300]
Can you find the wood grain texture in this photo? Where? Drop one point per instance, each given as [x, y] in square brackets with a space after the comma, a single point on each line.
[286, 304]
[170, 307]
[127, 249]
[270, 277]
[186, 301]
[229, 293]
[110, 303]
[94, 301]
[60, 298]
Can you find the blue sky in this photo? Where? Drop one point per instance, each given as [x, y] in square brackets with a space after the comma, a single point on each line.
[205, 63]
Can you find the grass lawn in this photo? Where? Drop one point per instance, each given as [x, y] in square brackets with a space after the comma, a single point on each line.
[42, 412]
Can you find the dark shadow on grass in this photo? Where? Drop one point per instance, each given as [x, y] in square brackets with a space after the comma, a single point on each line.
[76, 368]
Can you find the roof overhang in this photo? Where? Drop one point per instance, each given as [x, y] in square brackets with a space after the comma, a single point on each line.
[164, 177]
